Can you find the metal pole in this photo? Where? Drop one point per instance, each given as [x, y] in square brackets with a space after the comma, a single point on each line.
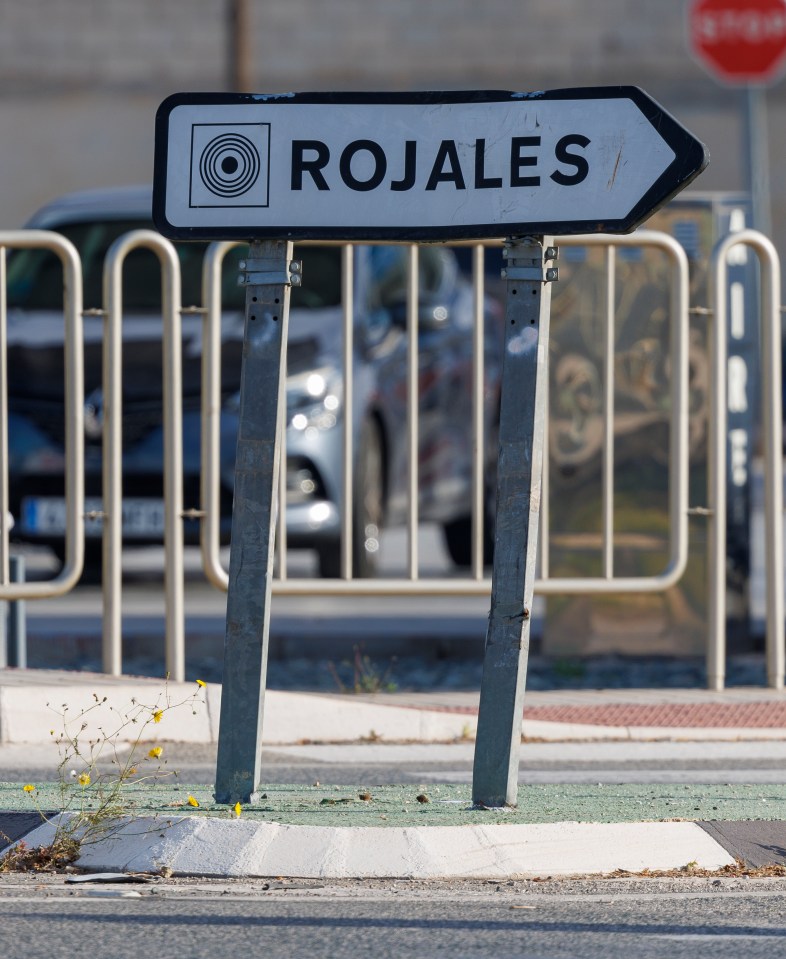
[716, 479]
[479, 517]
[608, 416]
[112, 477]
[239, 46]
[17, 618]
[757, 157]
[267, 277]
[413, 412]
[519, 473]
[348, 446]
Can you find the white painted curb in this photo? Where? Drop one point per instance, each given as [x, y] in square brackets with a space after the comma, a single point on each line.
[299, 717]
[34, 714]
[29, 714]
[202, 846]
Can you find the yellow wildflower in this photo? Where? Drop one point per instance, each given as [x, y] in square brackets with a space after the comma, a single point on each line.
[193, 802]
[83, 779]
[157, 715]
[29, 788]
[238, 809]
[201, 682]
[155, 752]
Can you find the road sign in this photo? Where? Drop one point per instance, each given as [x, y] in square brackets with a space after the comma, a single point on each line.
[739, 41]
[427, 166]
[408, 167]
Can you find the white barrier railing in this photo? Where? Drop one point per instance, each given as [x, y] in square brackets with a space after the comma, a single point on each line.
[772, 435]
[74, 398]
[678, 453]
[476, 584]
[411, 584]
[113, 450]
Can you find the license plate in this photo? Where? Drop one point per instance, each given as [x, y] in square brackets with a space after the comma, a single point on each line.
[46, 516]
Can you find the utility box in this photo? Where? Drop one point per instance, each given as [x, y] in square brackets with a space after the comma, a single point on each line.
[672, 622]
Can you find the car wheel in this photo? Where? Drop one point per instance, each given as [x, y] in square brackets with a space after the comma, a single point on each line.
[458, 539]
[367, 511]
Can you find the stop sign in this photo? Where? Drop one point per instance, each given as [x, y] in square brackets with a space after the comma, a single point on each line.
[739, 41]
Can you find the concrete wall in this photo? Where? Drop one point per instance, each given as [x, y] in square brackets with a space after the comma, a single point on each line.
[158, 43]
[80, 79]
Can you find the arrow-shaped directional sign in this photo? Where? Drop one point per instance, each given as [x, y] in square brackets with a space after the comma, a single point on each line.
[416, 166]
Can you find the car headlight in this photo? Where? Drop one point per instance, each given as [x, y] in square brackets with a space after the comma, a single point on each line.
[313, 399]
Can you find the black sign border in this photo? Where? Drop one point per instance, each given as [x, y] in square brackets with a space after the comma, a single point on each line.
[691, 157]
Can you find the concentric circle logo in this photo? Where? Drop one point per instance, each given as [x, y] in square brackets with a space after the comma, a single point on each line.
[229, 165]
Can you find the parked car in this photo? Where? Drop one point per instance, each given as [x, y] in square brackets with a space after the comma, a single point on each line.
[316, 415]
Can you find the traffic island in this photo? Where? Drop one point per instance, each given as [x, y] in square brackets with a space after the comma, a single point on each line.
[337, 832]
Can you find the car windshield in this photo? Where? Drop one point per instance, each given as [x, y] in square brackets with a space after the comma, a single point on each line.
[35, 277]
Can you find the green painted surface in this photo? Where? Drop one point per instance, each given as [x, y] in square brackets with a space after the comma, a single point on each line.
[447, 806]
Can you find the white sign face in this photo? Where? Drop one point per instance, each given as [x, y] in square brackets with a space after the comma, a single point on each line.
[419, 166]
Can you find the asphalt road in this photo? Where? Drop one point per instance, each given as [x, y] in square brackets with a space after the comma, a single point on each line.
[306, 618]
[379, 764]
[406, 920]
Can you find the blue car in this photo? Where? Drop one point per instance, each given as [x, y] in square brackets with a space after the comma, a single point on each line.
[316, 414]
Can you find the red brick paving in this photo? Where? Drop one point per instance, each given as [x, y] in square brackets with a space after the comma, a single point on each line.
[759, 715]
[768, 714]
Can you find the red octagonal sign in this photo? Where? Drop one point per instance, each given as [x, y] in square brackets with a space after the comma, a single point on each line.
[739, 41]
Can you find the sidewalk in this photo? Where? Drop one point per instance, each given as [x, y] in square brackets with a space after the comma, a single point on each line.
[327, 832]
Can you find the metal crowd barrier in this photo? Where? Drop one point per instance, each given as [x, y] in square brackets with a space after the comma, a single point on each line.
[113, 450]
[74, 399]
[476, 583]
[772, 436]
[678, 432]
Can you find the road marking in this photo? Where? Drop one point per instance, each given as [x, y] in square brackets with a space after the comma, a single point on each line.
[720, 936]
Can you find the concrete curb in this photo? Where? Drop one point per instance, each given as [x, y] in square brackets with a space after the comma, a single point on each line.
[201, 846]
[33, 713]
[29, 714]
[246, 847]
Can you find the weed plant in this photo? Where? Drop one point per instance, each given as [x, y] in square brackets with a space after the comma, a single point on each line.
[102, 750]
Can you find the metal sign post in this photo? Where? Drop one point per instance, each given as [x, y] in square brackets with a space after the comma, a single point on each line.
[404, 167]
[521, 444]
[269, 272]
